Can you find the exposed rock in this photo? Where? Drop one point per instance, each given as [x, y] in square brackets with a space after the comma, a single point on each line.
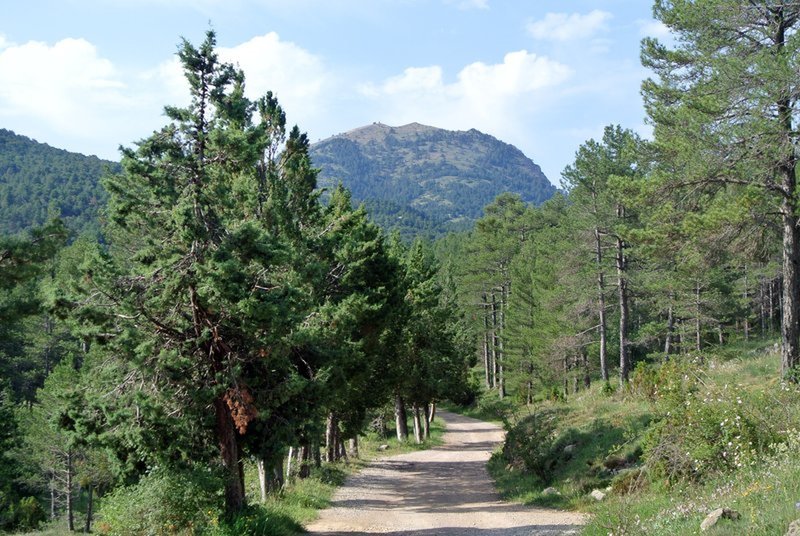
[598, 495]
[550, 491]
[794, 528]
[720, 513]
[383, 447]
[569, 449]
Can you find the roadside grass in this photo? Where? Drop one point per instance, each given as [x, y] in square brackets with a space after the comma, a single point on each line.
[765, 495]
[596, 435]
[601, 440]
[298, 503]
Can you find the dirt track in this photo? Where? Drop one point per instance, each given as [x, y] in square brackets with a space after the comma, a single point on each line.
[444, 491]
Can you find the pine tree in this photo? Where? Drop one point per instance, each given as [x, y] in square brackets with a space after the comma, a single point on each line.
[724, 105]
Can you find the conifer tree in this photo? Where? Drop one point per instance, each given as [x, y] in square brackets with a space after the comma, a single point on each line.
[724, 104]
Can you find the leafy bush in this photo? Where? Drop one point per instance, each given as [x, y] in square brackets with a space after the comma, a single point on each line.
[705, 430]
[258, 521]
[29, 514]
[163, 502]
[530, 443]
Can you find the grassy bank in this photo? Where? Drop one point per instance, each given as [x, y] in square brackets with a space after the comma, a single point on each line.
[717, 429]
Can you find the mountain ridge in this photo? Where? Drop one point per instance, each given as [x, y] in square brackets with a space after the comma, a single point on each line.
[443, 175]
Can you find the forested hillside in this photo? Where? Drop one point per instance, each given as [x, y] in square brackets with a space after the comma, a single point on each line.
[419, 178]
[39, 182]
[234, 334]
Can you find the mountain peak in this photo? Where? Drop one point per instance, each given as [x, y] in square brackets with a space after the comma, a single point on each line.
[444, 176]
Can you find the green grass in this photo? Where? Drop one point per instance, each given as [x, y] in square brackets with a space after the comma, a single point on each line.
[764, 494]
[609, 434]
[605, 432]
[285, 513]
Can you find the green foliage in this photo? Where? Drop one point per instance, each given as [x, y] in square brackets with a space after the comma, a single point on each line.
[706, 429]
[426, 181]
[163, 502]
[29, 514]
[764, 493]
[529, 445]
[259, 521]
[38, 183]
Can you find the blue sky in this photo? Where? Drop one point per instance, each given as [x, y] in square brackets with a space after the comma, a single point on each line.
[544, 75]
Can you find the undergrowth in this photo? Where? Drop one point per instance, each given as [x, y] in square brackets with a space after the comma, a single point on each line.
[699, 432]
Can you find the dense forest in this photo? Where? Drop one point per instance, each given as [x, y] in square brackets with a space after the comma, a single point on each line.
[38, 182]
[231, 318]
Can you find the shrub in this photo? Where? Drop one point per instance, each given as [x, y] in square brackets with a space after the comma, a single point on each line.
[705, 431]
[644, 380]
[529, 445]
[163, 502]
[258, 521]
[29, 514]
[629, 481]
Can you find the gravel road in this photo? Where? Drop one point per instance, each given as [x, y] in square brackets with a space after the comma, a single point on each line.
[444, 491]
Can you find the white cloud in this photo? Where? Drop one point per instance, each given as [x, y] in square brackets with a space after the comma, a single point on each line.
[654, 28]
[469, 4]
[297, 77]
[414, 80]
[496, 98]
[567, 27]
[68, 91]
[67, 84]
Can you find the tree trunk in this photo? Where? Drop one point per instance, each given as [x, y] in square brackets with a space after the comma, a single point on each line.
[487, 365]
[229, 450]
[316, 454]
[275, 474]
[771, 310]
[52, 498]
[432, 412]
[587, 378]
[501, 367]
[601, 297]
[304, 459]
[70, 505]
[790, 330]
[624, 355]
[670, 327]
[495, 356]
[417, 423]
[331, 438]
[748, 307]
[426, 422]
[289, 460]
[353, 447]
[262, 479]
[400, 418]
[697, 333]
[89, 510]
